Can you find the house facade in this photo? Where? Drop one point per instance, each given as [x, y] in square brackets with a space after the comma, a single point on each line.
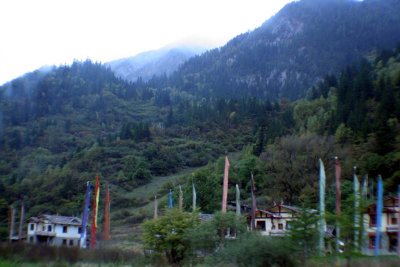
[55, 230]
[275, 221]
[389, 230]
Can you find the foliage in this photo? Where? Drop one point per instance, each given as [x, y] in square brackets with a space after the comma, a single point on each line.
[303, 232]
[208, 236]
[166, 234]
[252, 249]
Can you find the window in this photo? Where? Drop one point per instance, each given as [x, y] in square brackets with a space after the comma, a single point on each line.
[65, 229]
[80, 230]
[372, 220]
[32, 227]
[372, 242]
[43, 228]
[64, 242]
[260, 225]
[48, 228]
[394, 220]
[71, 242]
[280, 226]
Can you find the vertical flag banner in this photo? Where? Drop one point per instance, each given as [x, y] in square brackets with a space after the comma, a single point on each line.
[356, 208]
[379, 207]
[398, 221]
[237, 200]
[155, 207]
[338, 199]
[170, 199]
[180, 203]
[225, 185]
[95, 209]
[85, 216]
[107, 215]
[21, 222]
[12, 222]
[194, 197]
[322, 222]
[364, 190]
[253, 205]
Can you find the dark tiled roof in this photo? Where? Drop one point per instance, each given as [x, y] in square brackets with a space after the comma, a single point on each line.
[57, 219]
[206, 217]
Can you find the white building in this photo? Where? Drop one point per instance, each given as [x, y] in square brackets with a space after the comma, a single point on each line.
[275, 221]
[55, 230]
[389, 230]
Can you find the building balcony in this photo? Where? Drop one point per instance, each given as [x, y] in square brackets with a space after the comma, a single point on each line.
[392, 228]
[278, 232]
[45, 233]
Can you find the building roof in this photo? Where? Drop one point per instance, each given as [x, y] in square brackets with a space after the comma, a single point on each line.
[57, 219]
[204, 217]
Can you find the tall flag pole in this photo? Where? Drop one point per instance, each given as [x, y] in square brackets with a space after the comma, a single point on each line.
[364, 190]
[322, 222]
[237, 200]
[170, 199]
[21, 222]
[338, 200]
[363, 199]
[155, 207]
[12, 222]
[107, 215]
[225, 186]
[398, 220]
[253, 205]
[85, 216]
[356, 208]
[194, 198]
[379, 208]
[95, 209]
[180, 203]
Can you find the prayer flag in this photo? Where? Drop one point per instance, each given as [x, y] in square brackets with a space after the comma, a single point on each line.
[194, 197]
[237, 200]
[225, 185]
[322, 223]
[379, 207]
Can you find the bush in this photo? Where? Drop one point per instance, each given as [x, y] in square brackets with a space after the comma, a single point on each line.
[255, 250]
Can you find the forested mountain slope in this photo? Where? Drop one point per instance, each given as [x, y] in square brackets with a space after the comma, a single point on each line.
[291, 51]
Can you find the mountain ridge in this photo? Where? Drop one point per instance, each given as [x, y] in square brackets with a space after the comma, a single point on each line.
[151, 63]
[293, 49]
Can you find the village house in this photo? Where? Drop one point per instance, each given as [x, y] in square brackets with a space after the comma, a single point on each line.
[389, 230]
[275, 221]
[55, 230]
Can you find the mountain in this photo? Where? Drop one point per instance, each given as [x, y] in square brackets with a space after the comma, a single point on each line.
[291, 51]
[156, 62]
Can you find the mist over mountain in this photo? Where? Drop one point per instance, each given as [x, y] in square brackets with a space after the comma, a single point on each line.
[154, 63]
[291, 51]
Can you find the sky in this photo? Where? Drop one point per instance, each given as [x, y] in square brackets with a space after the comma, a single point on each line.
[35, 33]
